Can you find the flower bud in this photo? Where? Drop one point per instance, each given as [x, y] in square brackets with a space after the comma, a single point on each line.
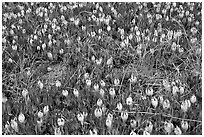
[166, 85]
[40, 84]
[133, 133]
[116, 81]
[124, 116]
[102, 83]
[88, 82]
[86, 75]
[96, 87]
[175, 89]
[65, 93]
[40, 114]
[98, 112]
[109, 61]
[21, 117]
[80, 117]
[161, 99]
[149, 126]
[58, 83]
[166, 104]
[193, 99]
[154, 102]
[102, 93]
[184, 106]
[133, 79]
[110, 116]
[177, 131]
[112, 92]
[57, 131]
[181, 89]
[109, 123]
[43, 46]
[129, 101]
[188, 102]
[168, 127]
[24, 93]
[184, 125]
[14, 124]
[60, 121]
[76, 93]
[50, 56]
[46, 109]
[93, 132]
[99, 102]
[149, 91]
[119, 106]
[146, 132]
[133, 123]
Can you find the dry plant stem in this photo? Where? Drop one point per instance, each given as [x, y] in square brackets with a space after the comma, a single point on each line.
[132, 112]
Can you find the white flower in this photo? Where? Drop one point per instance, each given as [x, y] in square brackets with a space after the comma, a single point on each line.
[14, 124]
[133, 123]
[108, 28]
[99, 102]
[24, 93]
[184, 125]
[61, 51]
[102, 83]
[98, 112]
[110, 116]
[43, 46]
[102, 92]
[177, 131]
[133, 133]
[80, 117]
[93, 58]
[46, 109]
[40, 114]
[65, 93]
[133, 79]
[14, 47]
[168, 127]
[193, 99]
[86, 75]
[57, 131]
[149, 91]
[112, 92]
[175, 89]
[154, 102]
[146, 132]
[21, 117]
[149, 126]
[166, 104]
[173, 46]
[40, 84]
[188, 102]
[76, 93]
[99, 61]
[184, 106]
[109, 61]
[88, 82]
[181, 89]
[60, 121]
[119, 106]
[35, 37]
[58, 83]
[38, 47]
[94, 132]
[116, 81]
[109, 123]
[50, 55]
[129, 101]
[96, 87]
[161, 99]
[124, 115]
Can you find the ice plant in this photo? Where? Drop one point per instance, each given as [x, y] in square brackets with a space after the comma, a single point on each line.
[177, 131]
[96, 87]
[149, 91]
[193, 99]
[175, 89]
[110, 116]
[60, 122]
[166, 104]
[21, 117]
[14, 124]
[145, 132]
[109, 123]
[149, 126]
[65, 93]
[76, 93]
[102, 83]
[116, 81]
[184, 125]
[154, 102]
[88, 82]
[112, 92]
[124, 116]
[40, 114]
[129, 101]
[98, 112]
[99, 102]
[119, 106]
[166, 85]
[168, 127]
[184, 106]
[102, 92]
[181, 89]
[80, 118]
[133, 123]
[58, 83]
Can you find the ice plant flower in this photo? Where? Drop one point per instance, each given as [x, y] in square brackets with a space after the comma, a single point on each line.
[149, 91]
[124, 116]
[184, 125]
[177, 131]
[168, 127]
[129, 101]
[65, 93]
[60, 122]
[116, 81]
[119, 106]
[112, 92]
[193, 99]
[80, 118]
[40, 84]
[166, 104]
[14, 124]
[58, 83]
[21, 118]
[76, 93]
[46, 109]
[40, 114]
[99, 102]
[154, 102]
[98, 112]
[24, 93]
